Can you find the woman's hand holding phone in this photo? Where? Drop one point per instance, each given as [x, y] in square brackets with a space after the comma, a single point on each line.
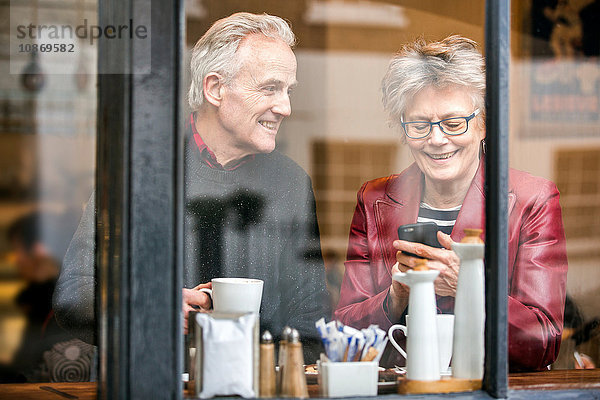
[442, 259]
[397, 299]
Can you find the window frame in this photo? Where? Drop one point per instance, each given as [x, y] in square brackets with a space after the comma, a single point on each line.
[140, 199]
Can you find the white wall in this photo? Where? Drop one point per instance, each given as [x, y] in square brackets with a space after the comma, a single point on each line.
[338, 97]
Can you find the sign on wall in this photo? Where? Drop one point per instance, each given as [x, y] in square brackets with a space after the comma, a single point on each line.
[558, 86]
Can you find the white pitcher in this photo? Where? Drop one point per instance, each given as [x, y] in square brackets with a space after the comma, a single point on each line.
[422, 342]
[469, 313]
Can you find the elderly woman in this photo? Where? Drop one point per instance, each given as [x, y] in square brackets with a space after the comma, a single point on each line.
[435, 94]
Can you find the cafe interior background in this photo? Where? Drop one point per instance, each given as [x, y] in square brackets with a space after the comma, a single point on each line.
[337, 132]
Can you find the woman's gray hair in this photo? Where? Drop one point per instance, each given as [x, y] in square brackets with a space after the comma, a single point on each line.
[216, 49]
[452, 61]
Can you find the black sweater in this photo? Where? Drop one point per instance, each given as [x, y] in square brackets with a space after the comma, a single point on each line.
[256, 221]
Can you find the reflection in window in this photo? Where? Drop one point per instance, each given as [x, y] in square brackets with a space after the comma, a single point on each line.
[555, 133]
[47, 153]
[338, 131]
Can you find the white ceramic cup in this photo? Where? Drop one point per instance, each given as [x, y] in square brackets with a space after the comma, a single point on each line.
[235, 295]
[445, 329]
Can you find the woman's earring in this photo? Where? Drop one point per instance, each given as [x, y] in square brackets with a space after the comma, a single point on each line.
[482, 148]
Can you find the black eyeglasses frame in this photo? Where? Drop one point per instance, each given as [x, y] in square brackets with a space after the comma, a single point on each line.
[438, 123]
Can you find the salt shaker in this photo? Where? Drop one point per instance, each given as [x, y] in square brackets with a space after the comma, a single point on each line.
[469, 309]
[267, 386]
[293, 381]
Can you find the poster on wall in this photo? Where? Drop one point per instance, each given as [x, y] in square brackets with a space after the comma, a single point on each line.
[565, 91]
[563, 74]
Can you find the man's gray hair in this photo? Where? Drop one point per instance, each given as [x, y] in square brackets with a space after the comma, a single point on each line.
[216, 49]
[452, 61]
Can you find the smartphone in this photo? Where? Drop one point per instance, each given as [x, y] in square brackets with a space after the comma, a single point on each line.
[421, 232]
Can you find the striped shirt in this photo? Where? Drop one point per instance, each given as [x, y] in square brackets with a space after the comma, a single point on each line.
[445, 218]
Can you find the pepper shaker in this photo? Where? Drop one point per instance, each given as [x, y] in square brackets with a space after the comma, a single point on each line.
[285, 335]
[293, 381]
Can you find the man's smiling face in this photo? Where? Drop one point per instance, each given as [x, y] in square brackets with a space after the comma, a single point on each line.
[257, 99]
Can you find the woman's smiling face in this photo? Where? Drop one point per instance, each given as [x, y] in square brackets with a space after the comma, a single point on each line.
[442, 158]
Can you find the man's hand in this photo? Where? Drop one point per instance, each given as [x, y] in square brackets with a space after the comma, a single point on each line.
[195, 300]
[444, 260]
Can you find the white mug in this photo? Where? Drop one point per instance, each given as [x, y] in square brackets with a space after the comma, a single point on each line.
[445, 329]
[235, 295]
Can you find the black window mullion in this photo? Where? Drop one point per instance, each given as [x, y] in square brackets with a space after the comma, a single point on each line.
[497, 49]
[139, 204]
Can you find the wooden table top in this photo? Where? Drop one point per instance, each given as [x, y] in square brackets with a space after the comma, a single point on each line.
[49, 391]
[556, 380]
[547, 380]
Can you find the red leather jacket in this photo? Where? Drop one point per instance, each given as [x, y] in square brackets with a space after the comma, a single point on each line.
[537, 258]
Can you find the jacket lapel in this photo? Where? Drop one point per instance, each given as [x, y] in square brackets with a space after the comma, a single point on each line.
[472, 212]
[398, 206]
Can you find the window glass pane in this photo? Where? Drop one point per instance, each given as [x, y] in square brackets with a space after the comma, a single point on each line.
[555, 134]
[340, 135]
[47, 159]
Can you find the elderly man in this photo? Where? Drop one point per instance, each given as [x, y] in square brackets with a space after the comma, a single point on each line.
[250, 211]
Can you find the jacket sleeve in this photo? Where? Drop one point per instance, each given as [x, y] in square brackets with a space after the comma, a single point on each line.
[366, 283]
[537, 287]
[74, 294]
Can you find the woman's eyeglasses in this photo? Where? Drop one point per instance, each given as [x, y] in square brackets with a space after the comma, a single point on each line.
[450, 126]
